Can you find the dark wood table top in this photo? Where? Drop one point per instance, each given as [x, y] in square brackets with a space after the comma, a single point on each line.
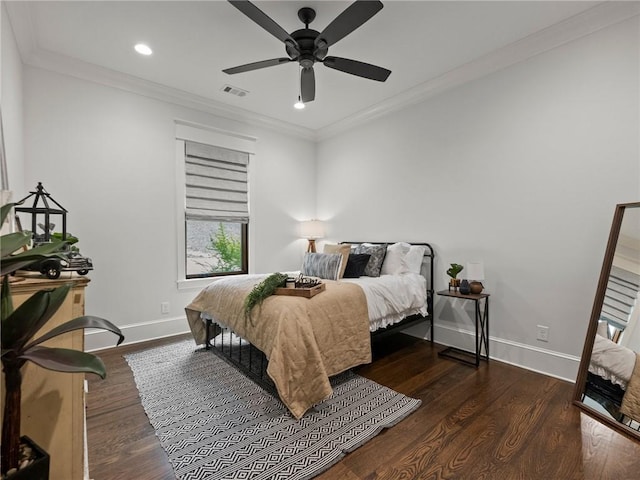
[468, 296]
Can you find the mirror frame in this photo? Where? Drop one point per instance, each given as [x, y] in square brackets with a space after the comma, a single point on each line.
[598, 302]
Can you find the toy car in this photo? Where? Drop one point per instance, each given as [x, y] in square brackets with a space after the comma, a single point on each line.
[73, 262]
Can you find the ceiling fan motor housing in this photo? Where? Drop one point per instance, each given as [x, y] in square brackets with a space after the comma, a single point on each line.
[306, 42]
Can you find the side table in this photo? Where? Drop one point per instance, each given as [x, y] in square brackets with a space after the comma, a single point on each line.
[482, 329]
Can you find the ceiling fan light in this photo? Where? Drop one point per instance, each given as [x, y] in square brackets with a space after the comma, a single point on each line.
[143, 49]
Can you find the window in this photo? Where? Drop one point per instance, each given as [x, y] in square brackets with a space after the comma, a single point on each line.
[216, 212]
[619, 301]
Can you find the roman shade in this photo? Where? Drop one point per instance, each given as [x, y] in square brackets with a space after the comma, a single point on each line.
[216, 183]
[620, 297]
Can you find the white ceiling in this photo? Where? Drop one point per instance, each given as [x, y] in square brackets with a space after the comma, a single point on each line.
[420, 41]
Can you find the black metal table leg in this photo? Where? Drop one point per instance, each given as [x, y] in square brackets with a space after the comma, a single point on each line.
[481, 330]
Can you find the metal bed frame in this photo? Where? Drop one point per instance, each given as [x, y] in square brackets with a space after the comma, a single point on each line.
[253, 362]
[609, 395]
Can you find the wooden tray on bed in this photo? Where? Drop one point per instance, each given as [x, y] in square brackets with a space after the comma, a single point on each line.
[301, 292]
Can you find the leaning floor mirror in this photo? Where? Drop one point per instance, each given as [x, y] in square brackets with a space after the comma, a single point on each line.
[608, 382]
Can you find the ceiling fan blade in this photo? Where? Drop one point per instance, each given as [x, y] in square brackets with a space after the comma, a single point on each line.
[359, 69]
[256, 65]
[353, 17]
[262, 19]
[308, 85]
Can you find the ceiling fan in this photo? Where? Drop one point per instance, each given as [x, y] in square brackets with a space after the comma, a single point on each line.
[307, 46]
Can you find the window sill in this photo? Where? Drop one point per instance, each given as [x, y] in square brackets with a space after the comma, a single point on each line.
[195, 283]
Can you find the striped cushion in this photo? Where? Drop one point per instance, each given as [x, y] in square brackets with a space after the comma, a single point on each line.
[322, 265]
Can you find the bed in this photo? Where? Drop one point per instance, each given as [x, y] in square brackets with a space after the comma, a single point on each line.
[613, 379]
[301, 342]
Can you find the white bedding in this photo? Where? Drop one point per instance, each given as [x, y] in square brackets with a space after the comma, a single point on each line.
[391, 298]
[611, 361]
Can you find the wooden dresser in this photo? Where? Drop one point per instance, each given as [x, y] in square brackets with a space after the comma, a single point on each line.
[53, 402]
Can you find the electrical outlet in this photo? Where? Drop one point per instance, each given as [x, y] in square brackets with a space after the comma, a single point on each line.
[164, 307]
[543, 333]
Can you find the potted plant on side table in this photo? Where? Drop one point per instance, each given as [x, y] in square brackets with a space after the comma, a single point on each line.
[19, 326]
[453, 272]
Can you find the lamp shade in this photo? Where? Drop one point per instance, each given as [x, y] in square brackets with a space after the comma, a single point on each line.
[311, 229]
[475, 271]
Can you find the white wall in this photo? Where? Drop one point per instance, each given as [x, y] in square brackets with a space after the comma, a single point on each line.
[521, 169]
[108, 156]
[11, 105]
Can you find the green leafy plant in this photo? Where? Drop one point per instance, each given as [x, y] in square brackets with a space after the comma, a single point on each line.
[14, 256]
[454, 270]
[227, 250]
[263, 290]
[20, 325]
[70, 239]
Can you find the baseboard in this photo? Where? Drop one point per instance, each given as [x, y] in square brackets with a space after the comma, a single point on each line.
[136, 333]
[548, 362]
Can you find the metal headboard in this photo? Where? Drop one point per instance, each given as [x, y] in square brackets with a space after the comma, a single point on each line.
[425, 271]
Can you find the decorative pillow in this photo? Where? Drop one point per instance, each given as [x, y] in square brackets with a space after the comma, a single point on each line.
[356, 263]
[321, 265]
[413, 259]
[377, 253]
[394, 259]
[342, 249]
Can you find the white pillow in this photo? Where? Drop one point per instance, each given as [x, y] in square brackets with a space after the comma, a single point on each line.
[603, 329]
[413, 258]
[394, 259]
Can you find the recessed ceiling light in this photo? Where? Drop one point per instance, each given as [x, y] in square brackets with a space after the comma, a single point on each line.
[143, 49]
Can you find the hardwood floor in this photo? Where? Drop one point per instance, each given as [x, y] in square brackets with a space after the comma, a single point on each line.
[495, 422]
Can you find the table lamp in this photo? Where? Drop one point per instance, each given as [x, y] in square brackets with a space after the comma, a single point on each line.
[311, 230]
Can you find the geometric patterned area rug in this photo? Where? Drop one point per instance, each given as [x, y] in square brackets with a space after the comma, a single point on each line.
[217, 424]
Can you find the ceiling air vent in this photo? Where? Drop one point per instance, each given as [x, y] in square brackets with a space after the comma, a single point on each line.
[238, 92]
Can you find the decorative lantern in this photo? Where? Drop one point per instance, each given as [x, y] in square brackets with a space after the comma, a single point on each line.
[42, 209]
[70, 259]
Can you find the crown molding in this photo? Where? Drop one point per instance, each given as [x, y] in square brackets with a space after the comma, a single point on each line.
[22, 26]
[86, 71]
[34, 55]
[601, 16]
[590, 21]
